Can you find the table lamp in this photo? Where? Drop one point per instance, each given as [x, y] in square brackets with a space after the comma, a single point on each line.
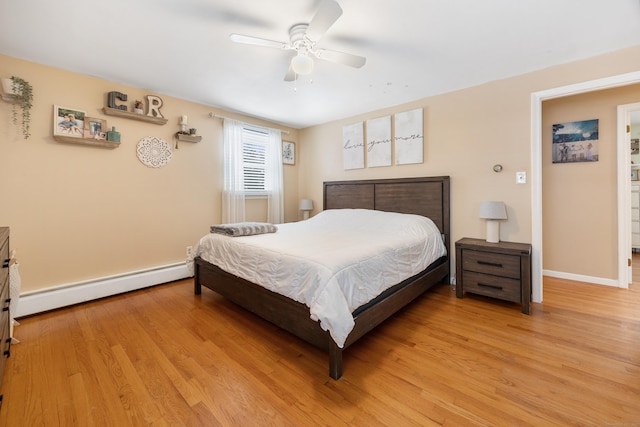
[306, 205]
[493, 212]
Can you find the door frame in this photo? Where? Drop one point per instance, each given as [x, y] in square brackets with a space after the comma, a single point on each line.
[624, 190]
[536, 172]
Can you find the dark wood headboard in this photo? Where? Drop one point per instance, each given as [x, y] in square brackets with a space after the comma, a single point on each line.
[427, 196]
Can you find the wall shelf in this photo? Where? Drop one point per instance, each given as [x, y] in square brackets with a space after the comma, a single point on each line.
[86, 141]
[188, 138]
[128, 115]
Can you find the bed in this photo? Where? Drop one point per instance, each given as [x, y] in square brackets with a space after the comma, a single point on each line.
[426, 197]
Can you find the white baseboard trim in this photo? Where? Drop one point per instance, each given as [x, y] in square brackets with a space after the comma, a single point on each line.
[581, 278]
[75, 293]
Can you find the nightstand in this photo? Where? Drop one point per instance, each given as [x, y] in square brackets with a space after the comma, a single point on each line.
[498, 270]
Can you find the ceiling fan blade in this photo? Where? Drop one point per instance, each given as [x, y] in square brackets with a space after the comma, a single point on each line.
[239, 38]
[324, 18]
[354, 61]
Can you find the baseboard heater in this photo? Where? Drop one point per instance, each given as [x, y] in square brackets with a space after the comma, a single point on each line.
[74, 293]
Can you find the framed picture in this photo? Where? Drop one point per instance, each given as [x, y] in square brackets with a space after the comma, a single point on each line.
[575, 142]
[68, 121]
[634, 174]
[288, 153]
[93, 127]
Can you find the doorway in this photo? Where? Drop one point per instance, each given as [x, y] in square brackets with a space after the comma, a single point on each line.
[625, 159]
[631, 119]
[536, 177]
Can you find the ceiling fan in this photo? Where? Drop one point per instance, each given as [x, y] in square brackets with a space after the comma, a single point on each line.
[303, 39]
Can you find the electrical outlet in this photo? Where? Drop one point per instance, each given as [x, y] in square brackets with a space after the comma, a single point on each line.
[521, 177]
[189, 251]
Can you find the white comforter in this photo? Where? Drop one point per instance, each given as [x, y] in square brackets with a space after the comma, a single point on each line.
[334, 262]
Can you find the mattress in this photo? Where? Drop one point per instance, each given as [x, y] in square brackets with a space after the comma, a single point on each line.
[333, 262]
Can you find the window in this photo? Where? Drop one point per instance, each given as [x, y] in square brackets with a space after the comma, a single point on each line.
[254, 160]
[252, 168]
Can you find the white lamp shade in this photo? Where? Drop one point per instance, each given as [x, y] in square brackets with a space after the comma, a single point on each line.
[301, 64]
[306, 205]
[493, 210]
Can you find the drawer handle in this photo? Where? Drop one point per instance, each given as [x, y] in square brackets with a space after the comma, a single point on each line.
[7, 353]
[5, 308]
[490, 286]
[492, 264]
[5, 263]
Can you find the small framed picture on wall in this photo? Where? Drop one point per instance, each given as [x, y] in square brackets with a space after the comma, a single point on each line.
[288, 153]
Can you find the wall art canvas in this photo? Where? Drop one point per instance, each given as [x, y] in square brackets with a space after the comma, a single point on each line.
[575, 142]
[288, 153]
[409, 137]
[68, 121]
[353, 146]
[379, 142]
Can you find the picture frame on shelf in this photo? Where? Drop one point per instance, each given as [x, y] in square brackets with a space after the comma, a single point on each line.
[288, 153]
[94, 128]
[68, 121]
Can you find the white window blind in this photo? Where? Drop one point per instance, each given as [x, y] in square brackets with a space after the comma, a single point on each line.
[254, 154]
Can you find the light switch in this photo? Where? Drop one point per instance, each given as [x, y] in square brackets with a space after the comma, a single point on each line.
[521, 177]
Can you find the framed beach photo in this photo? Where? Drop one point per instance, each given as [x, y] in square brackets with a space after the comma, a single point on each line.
[288, 153]
[94, 127]
[575, 142]
[68, 121]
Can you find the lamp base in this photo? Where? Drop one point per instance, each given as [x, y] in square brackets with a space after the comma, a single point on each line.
[493, 231]
[305, 215]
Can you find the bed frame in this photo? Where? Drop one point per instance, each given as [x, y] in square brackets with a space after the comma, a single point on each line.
[427, 196]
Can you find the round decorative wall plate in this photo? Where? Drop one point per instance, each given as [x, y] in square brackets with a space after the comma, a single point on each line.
[154, 152]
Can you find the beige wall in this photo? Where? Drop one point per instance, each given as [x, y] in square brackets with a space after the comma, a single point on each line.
[79, 212]
[580, 199]
[466, 133]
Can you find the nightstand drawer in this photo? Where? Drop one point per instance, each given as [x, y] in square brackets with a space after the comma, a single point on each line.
[492, 286]
[492, 263]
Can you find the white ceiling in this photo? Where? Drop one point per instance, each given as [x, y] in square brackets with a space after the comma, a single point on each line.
[414, 48]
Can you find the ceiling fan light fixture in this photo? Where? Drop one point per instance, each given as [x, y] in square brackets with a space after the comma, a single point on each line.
[301, 64]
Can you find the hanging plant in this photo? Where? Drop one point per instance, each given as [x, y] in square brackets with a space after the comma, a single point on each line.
[23, 98]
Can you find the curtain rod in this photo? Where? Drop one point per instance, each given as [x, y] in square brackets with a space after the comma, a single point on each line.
[217, 116]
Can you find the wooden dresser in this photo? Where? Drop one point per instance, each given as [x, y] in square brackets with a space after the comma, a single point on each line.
[4, 301]
[498, 270]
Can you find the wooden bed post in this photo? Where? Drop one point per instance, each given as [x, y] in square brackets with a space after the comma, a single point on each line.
[197, 287]
[335, 360]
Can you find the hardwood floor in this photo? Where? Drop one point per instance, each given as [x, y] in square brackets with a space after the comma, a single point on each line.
[163, 356]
